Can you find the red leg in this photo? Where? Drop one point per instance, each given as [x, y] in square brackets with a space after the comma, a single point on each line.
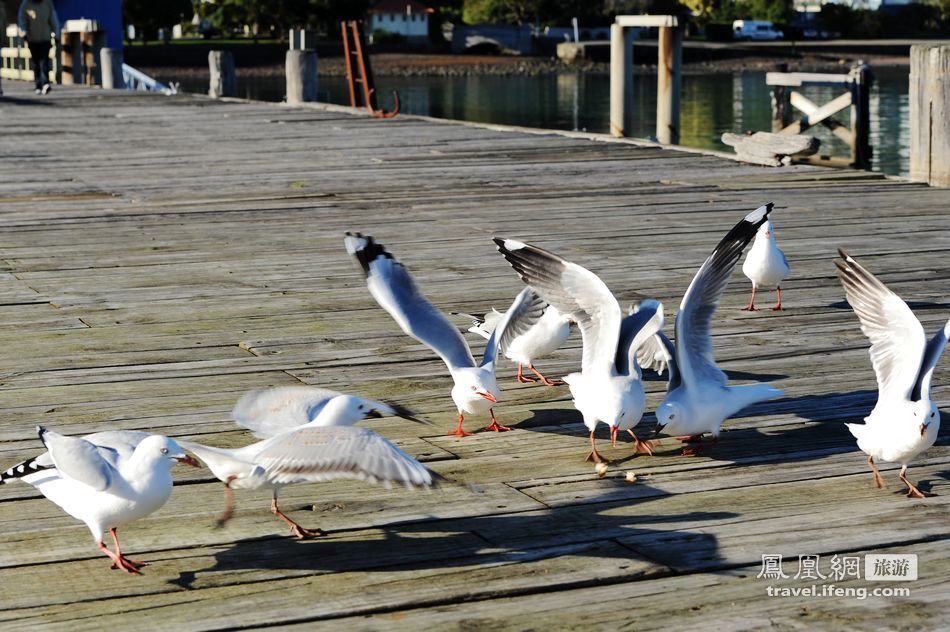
[524, 379]
[912, 491]
[690, 438]
[642, 447]
[117, 560]
[494, 425]
[299, 532]
[118, 551]
[458, 429]
[878, 479]
[594, 454]
[751, 306]
[228, 503]
[546, 381]
[778, 306]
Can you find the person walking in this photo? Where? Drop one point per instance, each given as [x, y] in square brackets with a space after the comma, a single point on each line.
[38, 23]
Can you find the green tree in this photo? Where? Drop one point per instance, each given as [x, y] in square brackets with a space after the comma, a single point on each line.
[500, 11]
[148, 16]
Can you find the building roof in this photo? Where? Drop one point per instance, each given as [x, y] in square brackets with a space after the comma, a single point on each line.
[399, 6]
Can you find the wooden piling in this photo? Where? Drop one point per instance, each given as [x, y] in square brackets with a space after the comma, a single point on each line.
[301, 70]
[621, 80]
[860, 116]
[223, 77]
[669, 61]
[781, 104]
[930, 114]
[110, 61]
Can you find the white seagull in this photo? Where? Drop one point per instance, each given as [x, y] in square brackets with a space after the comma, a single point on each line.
[698, 398]
[284, 415]
[268, 412]
[543, 339]
[608, 389]
[310, 454]
[106, 480]
[765, 265]
[475, 389]
[904, 421]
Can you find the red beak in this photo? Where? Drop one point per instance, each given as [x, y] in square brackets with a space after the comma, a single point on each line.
[488, 396]
[188, 460]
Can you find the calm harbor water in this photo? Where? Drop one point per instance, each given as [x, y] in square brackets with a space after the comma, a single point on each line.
[712, 103]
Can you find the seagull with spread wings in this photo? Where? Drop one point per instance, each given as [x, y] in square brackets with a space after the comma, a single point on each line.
[475, 390]
[609, 388]
[698, 399]
[904, 421]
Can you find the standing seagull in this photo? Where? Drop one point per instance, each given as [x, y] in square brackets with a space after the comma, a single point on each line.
[105, 486]
[392, 286]
[608, 389]
[765, 265]
[904, 421]
[542, 339]
[698, 399]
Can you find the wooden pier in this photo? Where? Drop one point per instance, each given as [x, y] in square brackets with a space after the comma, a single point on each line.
[162, 255]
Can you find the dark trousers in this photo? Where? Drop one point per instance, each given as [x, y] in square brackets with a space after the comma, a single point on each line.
[39, 52]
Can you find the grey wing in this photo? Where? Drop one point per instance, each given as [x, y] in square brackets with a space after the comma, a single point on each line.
[694, 352]
[78, 459]
[574, 291]
[932, 353]
[636, 330]
[525, 311]
[897, 338]
[267, 412]
[329, 453]
[396, 292]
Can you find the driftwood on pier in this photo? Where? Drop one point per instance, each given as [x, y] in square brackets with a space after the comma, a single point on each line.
[771, 150]
[146, 284]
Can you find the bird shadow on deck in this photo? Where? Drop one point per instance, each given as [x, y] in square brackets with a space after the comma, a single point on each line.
[583, 531]
[914, 305]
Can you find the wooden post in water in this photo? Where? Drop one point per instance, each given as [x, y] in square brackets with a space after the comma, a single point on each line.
[111, 62]
[621, 80]
[930, 114]
[781, 104]
[301, 69]
[860, 116]
[668, 82]
[223, 77]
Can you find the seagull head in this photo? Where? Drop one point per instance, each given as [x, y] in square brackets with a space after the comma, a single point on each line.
[926, 413]
[474, 390]
[159, 449]
[668, 415]
[765, 230]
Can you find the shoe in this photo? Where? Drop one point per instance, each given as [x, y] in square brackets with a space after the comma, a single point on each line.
[37, 91]
[46, 88]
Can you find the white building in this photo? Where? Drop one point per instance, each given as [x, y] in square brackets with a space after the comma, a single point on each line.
[402, 17]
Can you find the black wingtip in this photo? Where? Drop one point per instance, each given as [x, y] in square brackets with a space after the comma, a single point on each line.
[843, 254]
[41, 433]
[406, 413]
[365, 249]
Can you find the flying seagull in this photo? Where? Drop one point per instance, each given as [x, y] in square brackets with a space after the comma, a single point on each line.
[608, 389]
[904, 421]
[698, 398]
[765, 265]
[475, 390]
[106, 480]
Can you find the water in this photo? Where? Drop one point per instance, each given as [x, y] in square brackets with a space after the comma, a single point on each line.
[711, 104]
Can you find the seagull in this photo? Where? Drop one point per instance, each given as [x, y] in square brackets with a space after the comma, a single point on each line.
[106, 480]
[541, 340]
[765, 265]
[608, 389]
[310, 454]
[904, 421]
[475, 389]
[268, 412]
[698, 399]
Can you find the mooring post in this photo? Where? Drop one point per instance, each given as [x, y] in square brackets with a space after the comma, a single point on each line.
[668, 82]
[301, 69]
[860, 116]
[781, 103]
[621, 80]
[223, 77]
[930, 114]
[111, 61]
